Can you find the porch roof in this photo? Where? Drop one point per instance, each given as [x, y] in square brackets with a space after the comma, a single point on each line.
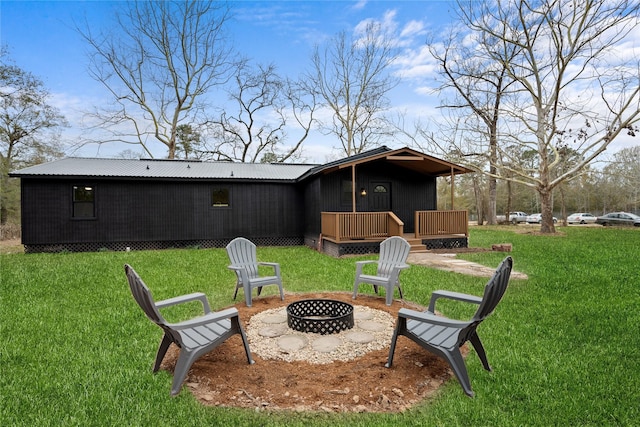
[403, 157]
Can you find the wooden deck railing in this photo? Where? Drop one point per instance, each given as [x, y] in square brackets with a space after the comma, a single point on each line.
[340, 226]
[436, 223]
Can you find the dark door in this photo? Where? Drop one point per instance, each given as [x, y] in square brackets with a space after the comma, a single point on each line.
[381, 196]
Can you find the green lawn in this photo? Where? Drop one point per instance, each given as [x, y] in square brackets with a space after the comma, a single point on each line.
[564, 345]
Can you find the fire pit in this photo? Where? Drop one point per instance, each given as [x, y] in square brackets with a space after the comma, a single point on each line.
[320, 316]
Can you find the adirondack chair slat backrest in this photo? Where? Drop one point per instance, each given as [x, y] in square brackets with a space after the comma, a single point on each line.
[143, 297]
[393, 252]
[494, 290]
[242, 253]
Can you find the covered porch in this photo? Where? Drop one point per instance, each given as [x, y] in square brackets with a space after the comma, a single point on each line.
[384, 193]
[361, 232]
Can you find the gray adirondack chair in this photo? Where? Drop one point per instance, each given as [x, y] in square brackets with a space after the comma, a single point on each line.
[244, 262]
[392, 260]
[443, 336]
[194, 337]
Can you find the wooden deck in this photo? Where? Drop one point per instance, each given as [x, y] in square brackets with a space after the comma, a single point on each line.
[365, 230]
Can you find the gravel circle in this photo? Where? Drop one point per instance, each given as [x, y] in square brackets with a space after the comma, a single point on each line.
[270, 337]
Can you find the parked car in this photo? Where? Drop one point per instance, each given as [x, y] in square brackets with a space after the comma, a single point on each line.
[581, 218]
[537, 219]
[619, 218]
[514, 217]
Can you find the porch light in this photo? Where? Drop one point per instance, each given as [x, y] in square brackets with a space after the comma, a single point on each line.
[363, 192]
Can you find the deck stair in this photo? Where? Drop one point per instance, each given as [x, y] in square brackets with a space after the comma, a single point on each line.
[416, 244]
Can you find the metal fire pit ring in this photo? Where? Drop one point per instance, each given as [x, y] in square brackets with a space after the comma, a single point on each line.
[320, 316]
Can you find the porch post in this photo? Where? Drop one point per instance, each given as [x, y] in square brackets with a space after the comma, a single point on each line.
[453, 176]
[353, 187]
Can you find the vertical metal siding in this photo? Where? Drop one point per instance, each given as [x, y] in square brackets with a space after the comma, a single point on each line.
[159, 211]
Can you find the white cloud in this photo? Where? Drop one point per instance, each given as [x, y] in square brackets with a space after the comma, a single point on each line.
[416, 63]
[412, 29]
[425, 90]
[387, 25]
[359, 5]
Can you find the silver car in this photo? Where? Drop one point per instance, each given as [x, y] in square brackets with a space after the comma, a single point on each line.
[581, 218]
[537, 219]
[619, 218]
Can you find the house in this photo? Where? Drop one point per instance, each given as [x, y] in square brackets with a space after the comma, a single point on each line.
[341, 207]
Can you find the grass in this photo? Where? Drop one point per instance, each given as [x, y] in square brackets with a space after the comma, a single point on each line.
[564, 345]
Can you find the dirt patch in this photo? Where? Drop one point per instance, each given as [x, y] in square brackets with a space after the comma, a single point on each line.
[11, 246]
[223, 377]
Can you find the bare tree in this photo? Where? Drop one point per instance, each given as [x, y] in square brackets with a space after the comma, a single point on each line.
[255, 127]
[573, 86]
[351, 76]
[478, 84]
[29, 128]
[159, 63]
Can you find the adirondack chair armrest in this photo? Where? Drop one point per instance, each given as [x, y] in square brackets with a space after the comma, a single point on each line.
[401, 267]
[360, 265]
[206, 319]
[196, 296]
[425, 316]
[396, 270]
[240, 271]
[458, 296]
[274, 265]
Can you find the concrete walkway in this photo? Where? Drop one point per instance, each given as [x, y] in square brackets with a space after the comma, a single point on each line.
[449, 262]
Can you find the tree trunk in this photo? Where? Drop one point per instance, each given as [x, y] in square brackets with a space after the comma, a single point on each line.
[5, 168]
[493, 182]
[479, 200]
[546, 201]
[507, 214]
[492, 218]
[563, 209]
[3, 213]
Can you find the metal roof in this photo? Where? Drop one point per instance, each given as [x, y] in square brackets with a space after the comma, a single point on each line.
[167, 169]
[186, 169]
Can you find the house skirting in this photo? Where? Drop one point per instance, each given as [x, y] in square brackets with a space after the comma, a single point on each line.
[446, 242]
[364, 247]
[155, 245]
[335, 249]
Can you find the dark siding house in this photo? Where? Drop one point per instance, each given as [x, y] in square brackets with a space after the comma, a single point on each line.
[80, 204]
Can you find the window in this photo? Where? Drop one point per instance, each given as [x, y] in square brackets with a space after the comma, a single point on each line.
[84, 201]
[220, 197]
[380, 189]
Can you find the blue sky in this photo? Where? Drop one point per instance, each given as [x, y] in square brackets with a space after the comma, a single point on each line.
[42, 39]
